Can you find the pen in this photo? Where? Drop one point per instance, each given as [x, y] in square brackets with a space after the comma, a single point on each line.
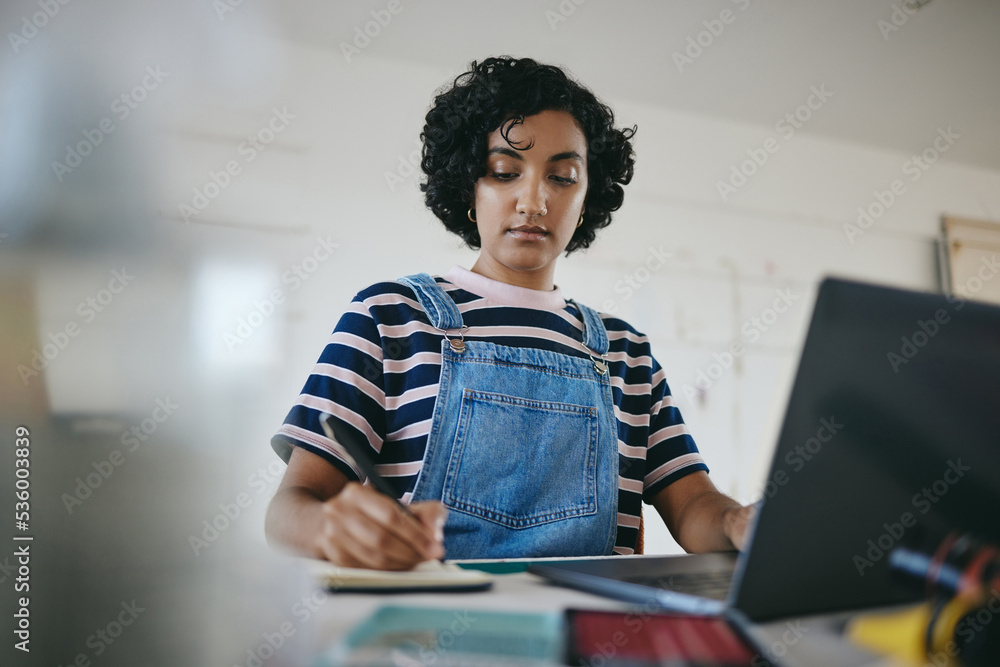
[335, 430]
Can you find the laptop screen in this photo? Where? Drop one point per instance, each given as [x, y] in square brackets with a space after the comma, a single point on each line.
[891, 437]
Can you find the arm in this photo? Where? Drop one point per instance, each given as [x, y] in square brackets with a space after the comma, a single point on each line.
[318, 512]
[700, 517]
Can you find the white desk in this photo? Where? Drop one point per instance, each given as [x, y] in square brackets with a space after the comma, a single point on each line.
[806, 641]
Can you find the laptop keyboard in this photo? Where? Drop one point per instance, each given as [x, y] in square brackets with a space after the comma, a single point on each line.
[714, 585]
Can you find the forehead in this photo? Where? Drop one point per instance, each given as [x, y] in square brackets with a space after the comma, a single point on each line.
[547, 131]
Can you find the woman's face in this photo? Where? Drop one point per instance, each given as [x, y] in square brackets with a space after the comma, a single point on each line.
[529, 202]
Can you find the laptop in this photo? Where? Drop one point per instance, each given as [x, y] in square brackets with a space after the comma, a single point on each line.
[891, 436]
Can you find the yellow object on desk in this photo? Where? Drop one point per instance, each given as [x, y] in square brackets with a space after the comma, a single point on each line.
[898, 633]
[902, 634]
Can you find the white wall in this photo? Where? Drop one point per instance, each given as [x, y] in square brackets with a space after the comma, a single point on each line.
[781, 232]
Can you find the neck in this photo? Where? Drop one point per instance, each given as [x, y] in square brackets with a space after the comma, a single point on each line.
[539, 279]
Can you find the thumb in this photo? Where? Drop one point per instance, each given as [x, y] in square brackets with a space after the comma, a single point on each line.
[432, 514]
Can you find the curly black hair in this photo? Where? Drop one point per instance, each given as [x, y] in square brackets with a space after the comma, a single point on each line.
[500, 92]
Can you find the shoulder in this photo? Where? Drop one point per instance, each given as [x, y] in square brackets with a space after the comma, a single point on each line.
[385, 288]
[623, 337]
[386, 300]
[391, 302]
[615, 323]
[611, 322]
[393, 289]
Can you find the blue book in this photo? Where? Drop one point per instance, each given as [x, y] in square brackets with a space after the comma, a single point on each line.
[414, 636]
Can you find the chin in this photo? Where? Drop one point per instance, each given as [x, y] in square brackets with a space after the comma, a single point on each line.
[527, 266]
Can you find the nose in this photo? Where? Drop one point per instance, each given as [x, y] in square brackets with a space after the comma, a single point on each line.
[531, 198]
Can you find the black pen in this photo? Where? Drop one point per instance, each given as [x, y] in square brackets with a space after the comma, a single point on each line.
[337, 431]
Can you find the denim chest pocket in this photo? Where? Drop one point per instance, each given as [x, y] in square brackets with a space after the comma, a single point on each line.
[520, 462]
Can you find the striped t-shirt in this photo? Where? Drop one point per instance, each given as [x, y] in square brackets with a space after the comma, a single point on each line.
[378, 377]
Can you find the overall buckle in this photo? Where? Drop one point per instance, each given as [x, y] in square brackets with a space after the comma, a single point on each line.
[600, 365]
[457, 344]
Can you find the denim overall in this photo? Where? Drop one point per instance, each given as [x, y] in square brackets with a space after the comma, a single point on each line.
[523, 444]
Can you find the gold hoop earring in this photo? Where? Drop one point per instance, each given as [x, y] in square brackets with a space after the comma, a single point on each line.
[471, 215]
[580, 221]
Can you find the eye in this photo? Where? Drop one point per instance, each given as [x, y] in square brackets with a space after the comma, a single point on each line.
[562, 180]
[504, 175]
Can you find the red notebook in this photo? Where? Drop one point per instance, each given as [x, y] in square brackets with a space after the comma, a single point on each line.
[610, 638]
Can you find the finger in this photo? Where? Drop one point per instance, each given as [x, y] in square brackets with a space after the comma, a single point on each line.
[353, 540]
[371, 545]
[402, 530]
[328, 544]
[746, 517]
[433, 515]
[331, 538]
[394, 519]
[379, 524]
[332, 551]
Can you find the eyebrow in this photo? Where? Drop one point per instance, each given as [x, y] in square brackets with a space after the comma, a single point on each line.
[510, 152]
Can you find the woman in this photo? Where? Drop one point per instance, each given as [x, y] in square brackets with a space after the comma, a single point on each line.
[511, 421]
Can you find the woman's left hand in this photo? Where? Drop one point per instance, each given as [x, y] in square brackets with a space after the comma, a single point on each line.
[736, 524]
[702, 519]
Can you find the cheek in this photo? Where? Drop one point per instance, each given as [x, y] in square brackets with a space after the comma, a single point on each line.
[488, 200]
[576, 203]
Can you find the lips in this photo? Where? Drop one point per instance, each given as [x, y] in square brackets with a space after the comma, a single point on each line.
[528, 232]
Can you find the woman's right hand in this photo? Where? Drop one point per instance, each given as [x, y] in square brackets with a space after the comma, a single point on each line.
[317, 512]
[364, 528]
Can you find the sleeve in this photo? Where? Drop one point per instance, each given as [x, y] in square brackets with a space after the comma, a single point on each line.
[671, 452]
[346, 382]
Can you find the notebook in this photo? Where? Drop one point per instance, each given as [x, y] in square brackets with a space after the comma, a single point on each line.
[891, 432]
[430, 575]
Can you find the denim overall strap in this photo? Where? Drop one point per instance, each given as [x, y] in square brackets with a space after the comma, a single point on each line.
[440, 309]
[595, 336]
[522, 449]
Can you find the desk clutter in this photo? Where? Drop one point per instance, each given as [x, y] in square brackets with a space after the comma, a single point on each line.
[412, 636]
[957, 626]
